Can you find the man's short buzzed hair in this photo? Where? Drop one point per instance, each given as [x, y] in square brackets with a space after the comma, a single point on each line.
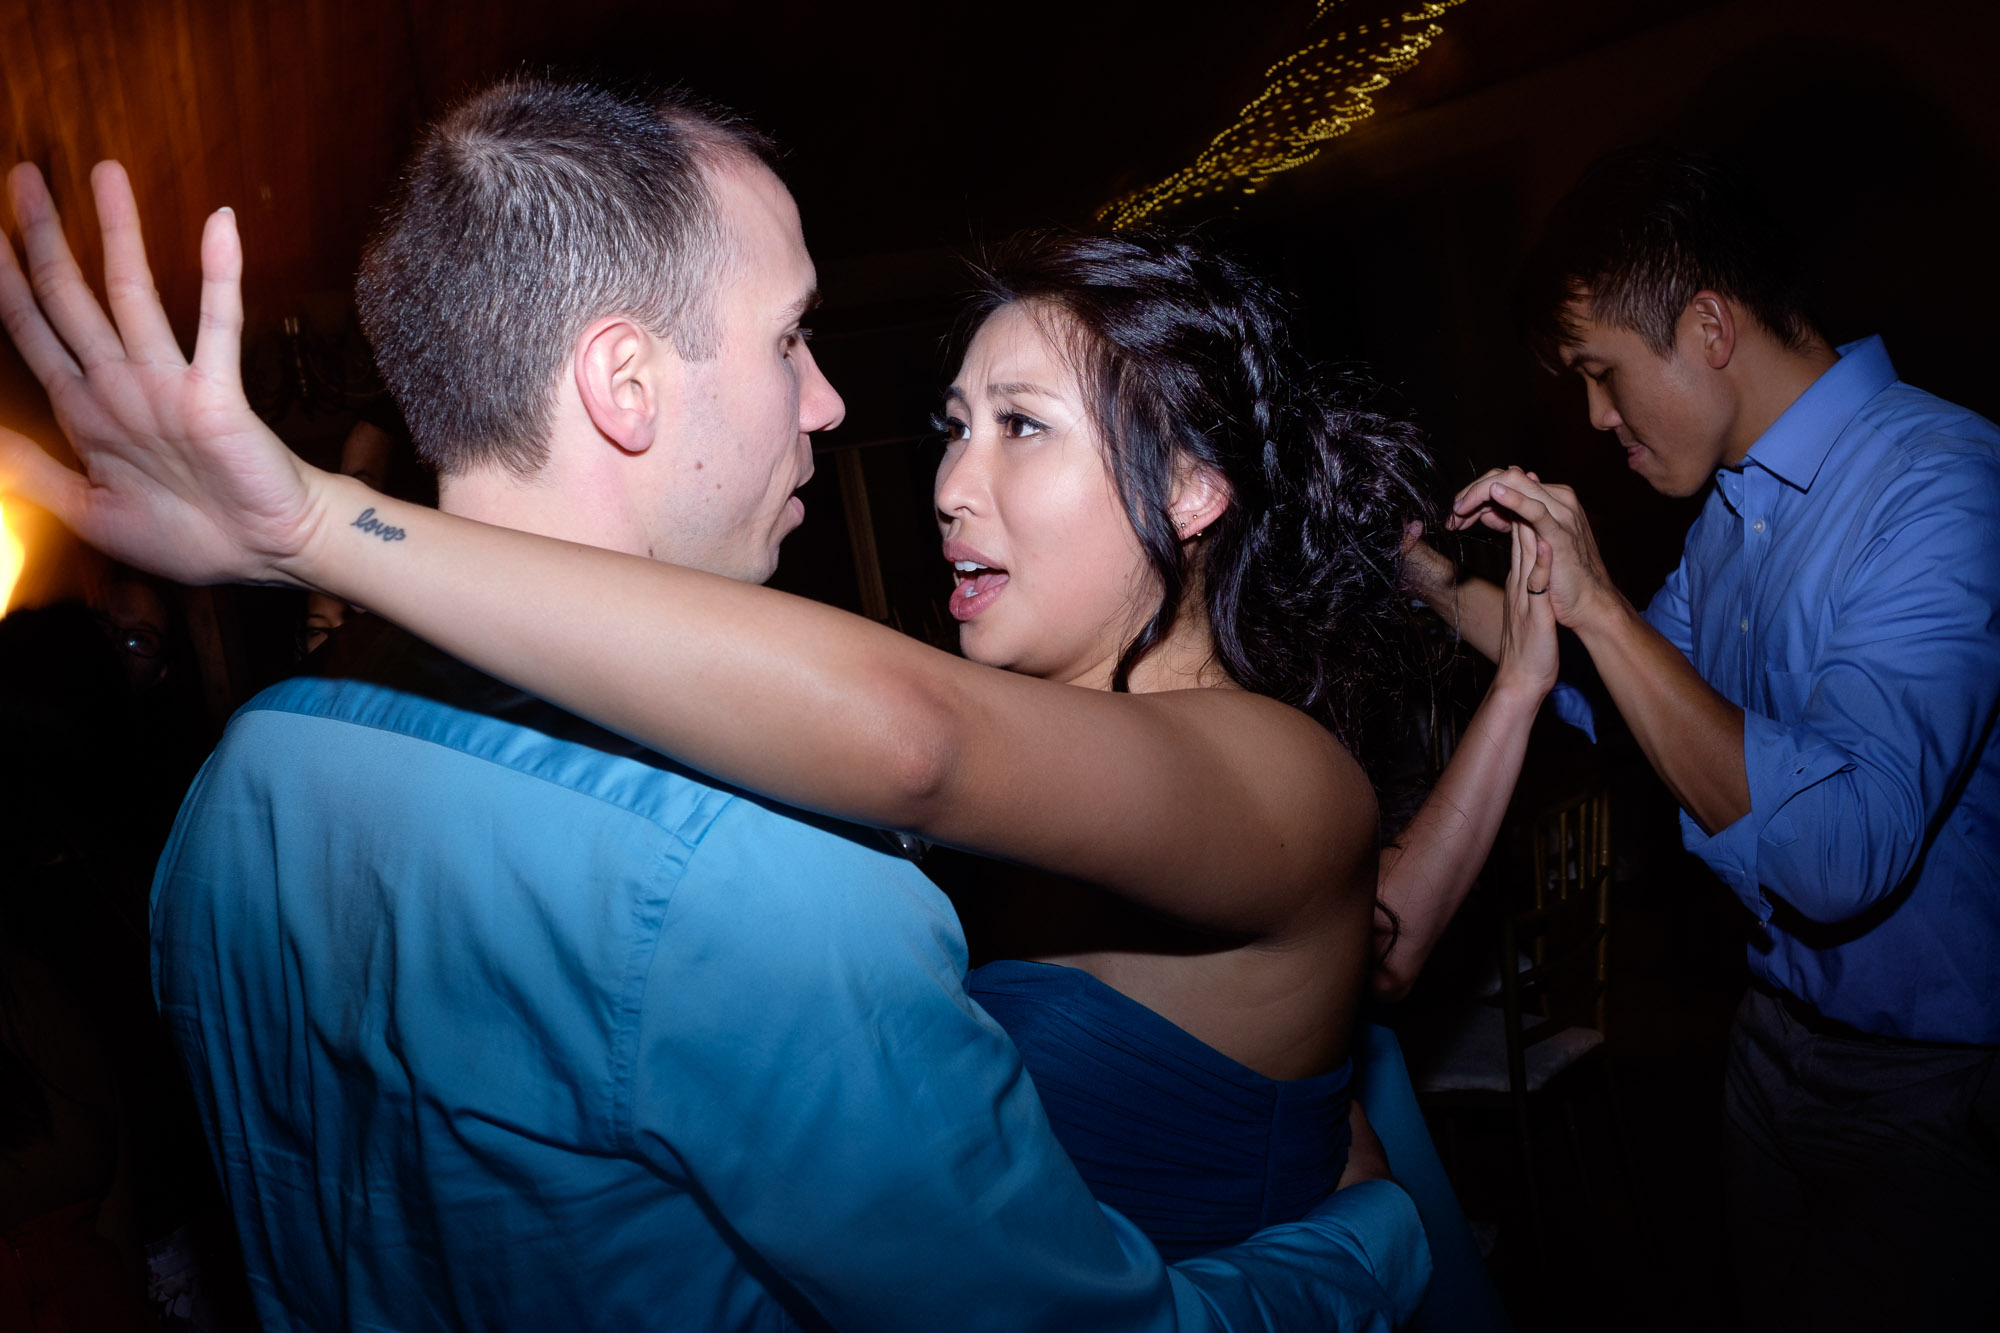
[1639, 235]
[526, 212]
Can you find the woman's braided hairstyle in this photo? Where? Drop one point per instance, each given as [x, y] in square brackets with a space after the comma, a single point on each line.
[1185, 360]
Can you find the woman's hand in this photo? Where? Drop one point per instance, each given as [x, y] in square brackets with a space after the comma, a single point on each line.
[1527, 661]
[179, 475]
[1366, 1158]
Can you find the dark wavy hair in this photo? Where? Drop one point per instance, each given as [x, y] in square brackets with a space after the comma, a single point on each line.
[1185, 358]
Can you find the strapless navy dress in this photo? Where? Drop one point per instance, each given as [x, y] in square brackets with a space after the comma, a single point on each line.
[1196, 1149]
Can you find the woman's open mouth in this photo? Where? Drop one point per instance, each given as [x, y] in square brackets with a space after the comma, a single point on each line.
[978, 586]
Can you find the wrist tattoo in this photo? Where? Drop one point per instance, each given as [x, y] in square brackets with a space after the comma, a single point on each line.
[369, 523]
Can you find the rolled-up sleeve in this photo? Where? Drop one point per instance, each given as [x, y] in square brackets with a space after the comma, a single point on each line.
[1857, 756]
[809, 1065]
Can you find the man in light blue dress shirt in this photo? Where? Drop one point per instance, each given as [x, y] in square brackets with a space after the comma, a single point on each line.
[1818, 684]
[498, 1022]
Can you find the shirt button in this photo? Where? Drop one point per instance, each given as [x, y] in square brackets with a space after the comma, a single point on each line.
[1758, 526]
[1744, 624]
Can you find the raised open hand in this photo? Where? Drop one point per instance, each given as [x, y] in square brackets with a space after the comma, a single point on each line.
[1571, 572]
[180, 477]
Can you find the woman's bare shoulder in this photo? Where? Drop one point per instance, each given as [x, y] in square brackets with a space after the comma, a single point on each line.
[1300, 770]
[1260, 726]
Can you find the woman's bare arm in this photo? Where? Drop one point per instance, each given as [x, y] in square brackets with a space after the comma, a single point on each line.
[1428, 871]
[1210, 805]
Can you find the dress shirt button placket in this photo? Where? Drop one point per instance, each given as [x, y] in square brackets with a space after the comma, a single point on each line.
[1750, 498]
[1751, 561]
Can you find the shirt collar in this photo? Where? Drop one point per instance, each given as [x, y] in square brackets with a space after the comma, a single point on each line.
[1797, 443]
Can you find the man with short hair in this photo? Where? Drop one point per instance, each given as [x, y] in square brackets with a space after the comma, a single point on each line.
[498, 1021]
[1817, 683]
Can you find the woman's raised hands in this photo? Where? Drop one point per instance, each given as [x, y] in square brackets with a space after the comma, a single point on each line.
[179, 476]
[1527, 655]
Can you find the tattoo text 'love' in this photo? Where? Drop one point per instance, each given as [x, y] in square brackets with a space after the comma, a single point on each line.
[369, 523]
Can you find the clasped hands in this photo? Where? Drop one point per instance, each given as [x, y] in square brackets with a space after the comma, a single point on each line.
[1555, 574]
[1567, 567]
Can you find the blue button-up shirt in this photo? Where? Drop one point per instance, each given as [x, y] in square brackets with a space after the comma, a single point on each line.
[1843, 588]
[496, 1027]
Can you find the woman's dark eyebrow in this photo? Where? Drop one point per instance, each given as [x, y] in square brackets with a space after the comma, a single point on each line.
[1013, 387]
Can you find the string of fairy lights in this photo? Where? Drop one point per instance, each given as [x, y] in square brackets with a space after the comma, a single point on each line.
[1315, 94]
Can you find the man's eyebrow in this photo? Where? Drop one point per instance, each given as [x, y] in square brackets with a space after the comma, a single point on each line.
[800, 308]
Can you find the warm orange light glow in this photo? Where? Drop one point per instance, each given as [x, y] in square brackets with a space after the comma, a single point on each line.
[13, 555]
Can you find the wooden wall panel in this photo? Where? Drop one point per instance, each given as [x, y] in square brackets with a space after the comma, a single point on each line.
[295, 113]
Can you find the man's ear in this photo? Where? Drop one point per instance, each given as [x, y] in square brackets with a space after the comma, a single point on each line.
[624, 378]
[1200, 496]
[1715, 323]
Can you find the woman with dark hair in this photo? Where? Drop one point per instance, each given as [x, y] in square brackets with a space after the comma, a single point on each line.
[1186, 559]
[1271, 512]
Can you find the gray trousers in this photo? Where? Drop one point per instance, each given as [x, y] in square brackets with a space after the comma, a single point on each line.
[1863, 1183]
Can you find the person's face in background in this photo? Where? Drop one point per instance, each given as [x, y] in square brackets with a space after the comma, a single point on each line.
[1669, 413]
[365, 455]
[1052, 581]
[137, 621]
[324, 615]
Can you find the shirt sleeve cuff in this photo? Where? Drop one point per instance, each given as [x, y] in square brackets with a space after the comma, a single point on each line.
[1573, 707]
[1778, 767]
[1386, 1235]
